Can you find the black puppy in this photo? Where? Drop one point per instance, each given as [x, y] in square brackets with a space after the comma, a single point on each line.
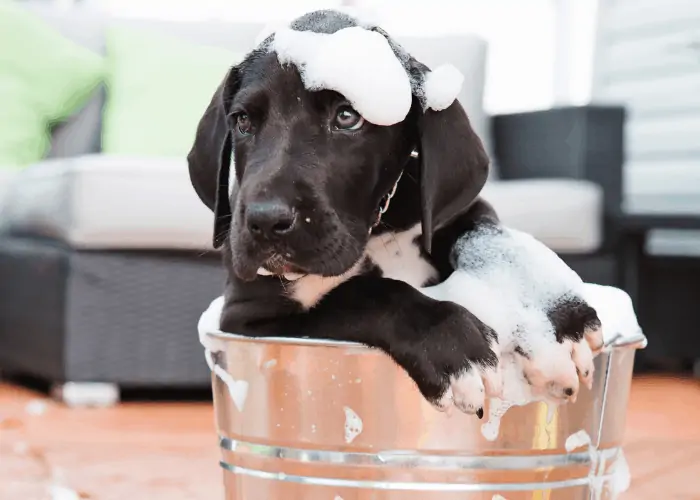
[313, 241]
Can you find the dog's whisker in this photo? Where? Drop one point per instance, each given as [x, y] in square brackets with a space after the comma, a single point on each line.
[282, 283]
[397, 242]
[410, 176]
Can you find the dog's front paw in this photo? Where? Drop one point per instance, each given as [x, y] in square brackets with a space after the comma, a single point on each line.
[468, 390]
[456, 363]
[552, 368]
[577, 323]
[557, 366]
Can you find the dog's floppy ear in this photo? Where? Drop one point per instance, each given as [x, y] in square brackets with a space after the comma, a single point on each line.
[209, 159]
[454, 164]
[454, 167]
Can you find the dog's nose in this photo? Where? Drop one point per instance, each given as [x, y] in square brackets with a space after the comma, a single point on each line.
[270, 218]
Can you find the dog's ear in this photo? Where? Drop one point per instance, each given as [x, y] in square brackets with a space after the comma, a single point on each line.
[454, 167]
[454, 164]
[209, 160]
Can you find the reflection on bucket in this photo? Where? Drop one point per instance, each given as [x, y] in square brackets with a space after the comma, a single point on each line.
[328, 420]
[309, 431]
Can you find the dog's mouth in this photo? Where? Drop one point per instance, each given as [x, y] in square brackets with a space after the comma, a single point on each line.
[277, 265]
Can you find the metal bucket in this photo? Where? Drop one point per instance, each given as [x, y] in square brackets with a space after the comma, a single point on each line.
[310, 420]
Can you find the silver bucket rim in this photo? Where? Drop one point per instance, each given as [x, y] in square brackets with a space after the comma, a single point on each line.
[636, 340]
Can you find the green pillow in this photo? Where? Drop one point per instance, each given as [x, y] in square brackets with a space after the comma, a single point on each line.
[44, 79]
[158, 89]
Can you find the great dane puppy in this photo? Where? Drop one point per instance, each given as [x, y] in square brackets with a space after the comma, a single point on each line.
[329, 224]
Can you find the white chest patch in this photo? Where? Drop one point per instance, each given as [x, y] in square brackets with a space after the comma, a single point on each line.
[395, 254]
[309, 289]
[399, 257]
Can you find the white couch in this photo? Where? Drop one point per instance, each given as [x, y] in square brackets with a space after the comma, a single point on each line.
[121, 245]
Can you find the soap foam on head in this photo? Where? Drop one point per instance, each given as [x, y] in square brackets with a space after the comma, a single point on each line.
[355, 62]
[345, 51]
[441, 86]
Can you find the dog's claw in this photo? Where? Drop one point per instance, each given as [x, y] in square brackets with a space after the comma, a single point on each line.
[594, 338]
[582, 356]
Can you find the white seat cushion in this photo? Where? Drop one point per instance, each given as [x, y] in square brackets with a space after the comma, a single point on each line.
[7, 174]
[566, 215]
[108, 202]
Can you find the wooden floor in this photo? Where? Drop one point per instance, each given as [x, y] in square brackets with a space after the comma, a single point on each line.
[158, 451]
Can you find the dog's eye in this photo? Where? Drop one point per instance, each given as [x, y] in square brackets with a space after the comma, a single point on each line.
[244, 124]
[347, 118]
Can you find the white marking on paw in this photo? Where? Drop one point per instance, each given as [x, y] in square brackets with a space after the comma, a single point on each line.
[468, 392]
[493, 382]
[551, 371]
[446, 402]
[353, 425]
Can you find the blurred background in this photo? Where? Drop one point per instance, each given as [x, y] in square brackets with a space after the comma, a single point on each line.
[590, 110]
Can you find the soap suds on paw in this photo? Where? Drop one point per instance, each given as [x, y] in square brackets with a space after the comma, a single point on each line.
[511, 282]
[615, 311]
[353, 424]
[498, 271]
[516, 392]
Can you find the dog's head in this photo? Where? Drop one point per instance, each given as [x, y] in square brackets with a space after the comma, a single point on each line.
[311, 172]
